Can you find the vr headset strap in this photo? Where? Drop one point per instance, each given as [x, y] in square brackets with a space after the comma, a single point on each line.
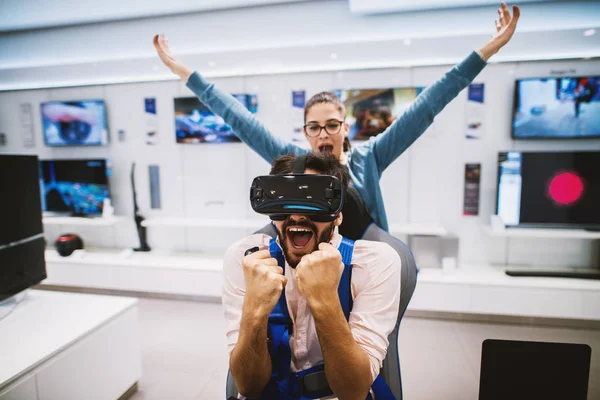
[300, 165]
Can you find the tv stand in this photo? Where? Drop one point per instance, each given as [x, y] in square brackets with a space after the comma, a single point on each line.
[555, 273]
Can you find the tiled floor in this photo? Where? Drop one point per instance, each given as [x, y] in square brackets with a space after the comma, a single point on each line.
[185, 356]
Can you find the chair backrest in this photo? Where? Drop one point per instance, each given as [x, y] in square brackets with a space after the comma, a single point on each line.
[390, 372]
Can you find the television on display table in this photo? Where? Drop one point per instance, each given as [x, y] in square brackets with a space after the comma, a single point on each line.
[22, 243]
[557, 108]
[549, 189]
[74, 123]
[74, 187]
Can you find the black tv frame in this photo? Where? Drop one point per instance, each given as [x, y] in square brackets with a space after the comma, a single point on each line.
[108, 167]
[22, 242]
[76, 145]
[544, 138]
[590, 227]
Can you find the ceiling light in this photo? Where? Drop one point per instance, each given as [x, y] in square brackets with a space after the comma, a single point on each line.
[589, 32]
[333, 56]
[212, 63]
[407, 42]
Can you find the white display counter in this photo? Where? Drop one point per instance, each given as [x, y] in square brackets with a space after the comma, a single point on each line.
[70, 346]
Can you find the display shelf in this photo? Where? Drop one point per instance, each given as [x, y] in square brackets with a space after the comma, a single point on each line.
[542, 233]
[417, 229]
[205, 222]
[81, 221]
[130, 258]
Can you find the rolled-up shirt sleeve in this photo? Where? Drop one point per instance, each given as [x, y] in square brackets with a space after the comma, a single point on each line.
[375, 310]
[234, 285]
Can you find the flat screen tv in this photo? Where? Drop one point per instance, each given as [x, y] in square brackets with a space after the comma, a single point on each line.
[22, 243]
[74, 123]
[371, 111]
[195, 123]
[556, 189]
[557, 108]
[74, 187]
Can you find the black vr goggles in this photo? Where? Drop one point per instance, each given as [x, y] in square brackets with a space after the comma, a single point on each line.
[319, 197]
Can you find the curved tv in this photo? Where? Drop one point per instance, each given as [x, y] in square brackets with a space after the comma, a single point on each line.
[557, 108]
[74, 123]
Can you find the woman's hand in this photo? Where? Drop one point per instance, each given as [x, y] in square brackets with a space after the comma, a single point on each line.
[505, 26]
[162, 48]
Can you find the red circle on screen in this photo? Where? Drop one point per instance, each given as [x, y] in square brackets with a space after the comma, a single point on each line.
[566, 188]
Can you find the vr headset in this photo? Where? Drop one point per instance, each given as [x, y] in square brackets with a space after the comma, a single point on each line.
[319, 197]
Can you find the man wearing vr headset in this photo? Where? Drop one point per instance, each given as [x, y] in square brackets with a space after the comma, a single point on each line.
[319, 266]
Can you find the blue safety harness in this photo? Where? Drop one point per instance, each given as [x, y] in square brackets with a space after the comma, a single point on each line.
[287, 385]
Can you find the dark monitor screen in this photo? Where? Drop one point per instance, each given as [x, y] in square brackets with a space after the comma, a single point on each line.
[22, 241]
[76, 187]
[518, 370]
[559, 189]
[75, 123]
[557, 108]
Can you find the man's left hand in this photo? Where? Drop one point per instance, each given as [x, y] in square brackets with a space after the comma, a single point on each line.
[318, 274]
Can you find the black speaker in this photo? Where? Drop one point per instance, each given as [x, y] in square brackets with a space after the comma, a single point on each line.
[66, 244]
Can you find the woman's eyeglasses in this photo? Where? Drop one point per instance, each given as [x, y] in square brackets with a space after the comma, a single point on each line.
[332, 127]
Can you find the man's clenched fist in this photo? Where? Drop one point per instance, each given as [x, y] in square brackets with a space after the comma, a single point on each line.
[264, 282]
[318, 274]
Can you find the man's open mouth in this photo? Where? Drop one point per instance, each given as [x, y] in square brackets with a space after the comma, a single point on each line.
[326, 148]
[299, 236]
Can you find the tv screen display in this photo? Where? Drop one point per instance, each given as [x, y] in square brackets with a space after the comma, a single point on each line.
[74, 123]
[371, 111]
[560, 189]
[195, 123]
[22, 241]
[76, 187]
[557, 108]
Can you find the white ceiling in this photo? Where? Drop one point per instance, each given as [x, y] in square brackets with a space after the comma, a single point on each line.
[383, 6]
[35, 14]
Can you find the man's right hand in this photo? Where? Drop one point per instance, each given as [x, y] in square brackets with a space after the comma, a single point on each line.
[264, 282]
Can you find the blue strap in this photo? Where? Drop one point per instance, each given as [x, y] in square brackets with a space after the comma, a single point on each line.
[346, 249]
[381, 390]
[279, 331]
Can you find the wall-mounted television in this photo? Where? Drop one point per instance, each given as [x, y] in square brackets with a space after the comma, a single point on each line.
[22, 243]
[75, 187]
[557, 108]
[195, 123]
[74, 123]
[549, 189]
[371, 111]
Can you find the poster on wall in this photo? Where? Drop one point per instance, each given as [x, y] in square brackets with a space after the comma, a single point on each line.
[471, 191]
[26, 117]
[151, 121]
[475, 111]
[298, 103]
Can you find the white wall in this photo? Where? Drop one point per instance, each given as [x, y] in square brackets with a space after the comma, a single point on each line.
[424, 185]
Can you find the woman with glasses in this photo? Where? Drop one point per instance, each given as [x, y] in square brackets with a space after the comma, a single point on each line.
[326, 129]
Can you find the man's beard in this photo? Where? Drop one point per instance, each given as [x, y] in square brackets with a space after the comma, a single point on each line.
[293, 259]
